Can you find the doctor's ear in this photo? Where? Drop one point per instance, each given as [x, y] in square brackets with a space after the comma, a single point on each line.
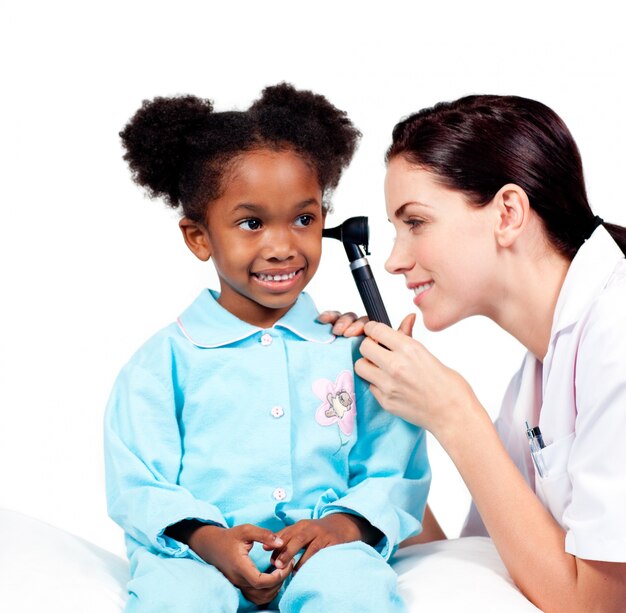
[513, 213]
[196, 238]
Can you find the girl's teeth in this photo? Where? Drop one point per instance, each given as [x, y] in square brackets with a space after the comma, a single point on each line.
[264, 277]
[422, 288]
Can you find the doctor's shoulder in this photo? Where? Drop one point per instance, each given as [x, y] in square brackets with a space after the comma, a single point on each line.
[601, 352]
[605, 320]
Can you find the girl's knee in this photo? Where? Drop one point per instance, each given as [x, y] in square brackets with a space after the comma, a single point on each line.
[165, 584]
[348, 577]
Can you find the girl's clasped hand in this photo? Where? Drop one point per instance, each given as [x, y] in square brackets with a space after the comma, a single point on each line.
[228, 549]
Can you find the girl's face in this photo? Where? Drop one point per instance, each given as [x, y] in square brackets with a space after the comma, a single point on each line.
[265, 234]
[444, 247]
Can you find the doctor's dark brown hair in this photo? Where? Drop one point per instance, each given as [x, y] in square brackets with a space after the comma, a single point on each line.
[477, 144]
[180, 149]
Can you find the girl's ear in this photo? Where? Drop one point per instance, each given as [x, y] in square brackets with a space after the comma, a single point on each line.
[513, 210]
[196, 237]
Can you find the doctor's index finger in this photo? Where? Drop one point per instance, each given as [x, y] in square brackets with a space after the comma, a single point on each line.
[385, 335]
[373, 352]
[369, 372]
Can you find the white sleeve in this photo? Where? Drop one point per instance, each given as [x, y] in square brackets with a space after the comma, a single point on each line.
[595, 519]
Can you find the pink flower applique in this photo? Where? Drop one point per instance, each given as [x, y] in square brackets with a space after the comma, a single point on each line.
[338, 405]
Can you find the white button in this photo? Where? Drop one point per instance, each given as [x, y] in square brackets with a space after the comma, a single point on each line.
[279, 493]
[266, 340]
[277, 412]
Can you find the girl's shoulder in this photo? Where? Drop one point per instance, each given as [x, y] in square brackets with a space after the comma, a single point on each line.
[158, 350]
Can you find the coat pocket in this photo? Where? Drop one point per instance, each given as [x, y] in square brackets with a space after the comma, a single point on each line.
[555, 488]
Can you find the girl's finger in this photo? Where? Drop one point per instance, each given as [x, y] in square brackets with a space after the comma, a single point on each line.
[289, 551]
[259, 580]
[355, 328]
[328, 317]
[261, 535]
[311, 550]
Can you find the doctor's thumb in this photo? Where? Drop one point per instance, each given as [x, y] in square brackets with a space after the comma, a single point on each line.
[406, 327]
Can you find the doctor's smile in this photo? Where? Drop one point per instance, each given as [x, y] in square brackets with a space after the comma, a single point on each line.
[420, 290]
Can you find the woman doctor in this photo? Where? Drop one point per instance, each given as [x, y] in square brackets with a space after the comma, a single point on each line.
[488, 202]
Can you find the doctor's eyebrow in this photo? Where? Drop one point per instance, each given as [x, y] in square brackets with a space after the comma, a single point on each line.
[400, 210]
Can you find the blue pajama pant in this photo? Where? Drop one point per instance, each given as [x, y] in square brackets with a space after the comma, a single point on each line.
[347, 577]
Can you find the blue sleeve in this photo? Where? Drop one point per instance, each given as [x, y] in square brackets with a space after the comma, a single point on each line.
[389, 474]
[143, 452]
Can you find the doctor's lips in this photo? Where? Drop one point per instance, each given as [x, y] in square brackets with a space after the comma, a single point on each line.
[420, 288]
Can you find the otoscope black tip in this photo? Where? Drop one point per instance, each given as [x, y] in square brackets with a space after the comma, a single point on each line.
[354, 230]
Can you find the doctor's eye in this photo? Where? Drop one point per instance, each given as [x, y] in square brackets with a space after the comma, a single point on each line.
[414, 223]
[250, 224]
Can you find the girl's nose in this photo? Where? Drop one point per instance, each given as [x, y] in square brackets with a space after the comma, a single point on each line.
[399, 260]
[279, 245]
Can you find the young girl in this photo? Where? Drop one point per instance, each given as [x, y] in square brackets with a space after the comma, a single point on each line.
[245, 461]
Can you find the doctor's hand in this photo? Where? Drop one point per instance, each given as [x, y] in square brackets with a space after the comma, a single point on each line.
[346, 324]
[312, 535]
[228, 550]
[408, 381]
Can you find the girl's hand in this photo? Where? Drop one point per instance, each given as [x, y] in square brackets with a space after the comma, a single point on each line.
[408, 381]
[315, 534]
[344, 325]
[228, 550]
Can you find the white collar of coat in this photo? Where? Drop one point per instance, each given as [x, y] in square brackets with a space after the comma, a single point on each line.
[587, 276]
[207, 324]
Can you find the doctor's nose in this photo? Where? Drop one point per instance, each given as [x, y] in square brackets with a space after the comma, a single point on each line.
[400, 259]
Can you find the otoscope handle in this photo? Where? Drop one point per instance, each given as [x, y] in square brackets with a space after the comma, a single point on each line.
[366, 284]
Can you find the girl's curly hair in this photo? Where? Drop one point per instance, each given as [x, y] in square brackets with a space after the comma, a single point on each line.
[180, 149]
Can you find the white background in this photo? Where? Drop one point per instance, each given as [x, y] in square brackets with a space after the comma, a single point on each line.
[90, 267]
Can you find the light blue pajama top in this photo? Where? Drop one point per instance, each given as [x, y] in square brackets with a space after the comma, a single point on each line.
[218, 420]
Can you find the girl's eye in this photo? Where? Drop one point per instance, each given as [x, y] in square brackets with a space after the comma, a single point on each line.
[304, 220]
[250, 224]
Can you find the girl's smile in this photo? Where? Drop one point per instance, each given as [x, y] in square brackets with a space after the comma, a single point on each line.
[279, 280]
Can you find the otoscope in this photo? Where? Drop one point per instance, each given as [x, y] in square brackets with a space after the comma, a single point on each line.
[354, 234]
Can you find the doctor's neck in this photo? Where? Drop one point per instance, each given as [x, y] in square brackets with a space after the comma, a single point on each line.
[528, 299]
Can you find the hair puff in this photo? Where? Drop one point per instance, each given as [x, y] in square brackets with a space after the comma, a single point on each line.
[180, 149]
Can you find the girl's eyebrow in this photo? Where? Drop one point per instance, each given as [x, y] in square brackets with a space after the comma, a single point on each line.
[308, 202]
[255, 208]
[247, 206]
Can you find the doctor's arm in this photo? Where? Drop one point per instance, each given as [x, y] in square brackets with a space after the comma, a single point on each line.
[411, 383]
[349, 325]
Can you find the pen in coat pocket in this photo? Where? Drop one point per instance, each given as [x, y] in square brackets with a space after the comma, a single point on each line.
[535, 440]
